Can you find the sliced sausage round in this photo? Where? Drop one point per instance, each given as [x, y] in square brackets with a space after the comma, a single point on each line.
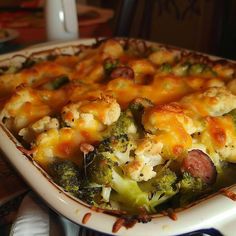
[122, 71]
[199, 165]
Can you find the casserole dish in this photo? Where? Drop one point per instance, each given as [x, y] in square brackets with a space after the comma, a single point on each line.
[214, 211]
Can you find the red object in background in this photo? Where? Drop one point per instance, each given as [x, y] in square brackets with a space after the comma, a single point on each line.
[31, 3]
[28, 36]
[93, 22]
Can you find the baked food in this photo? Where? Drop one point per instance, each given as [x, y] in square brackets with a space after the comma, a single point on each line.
[125, 125]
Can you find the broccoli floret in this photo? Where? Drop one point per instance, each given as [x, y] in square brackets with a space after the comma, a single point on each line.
[181, 69]
[165, 180]
[124, 125]
[103, 168]
[137, 107]
[197, 68]
[67, 175]
[56, 83]
[160, 188]
[110, 64]
[99, 170]
[128, 193]
[190, 189]
[109, 153]
[90, 193]
[166, 68]
[147, 195]
[99, 163]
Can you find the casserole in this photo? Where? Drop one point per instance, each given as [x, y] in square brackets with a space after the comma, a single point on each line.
[159, 76]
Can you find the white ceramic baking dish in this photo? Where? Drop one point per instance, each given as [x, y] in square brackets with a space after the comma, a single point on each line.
[215, 214]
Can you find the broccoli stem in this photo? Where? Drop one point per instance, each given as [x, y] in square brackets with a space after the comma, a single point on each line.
[129, 191]
[56, 83]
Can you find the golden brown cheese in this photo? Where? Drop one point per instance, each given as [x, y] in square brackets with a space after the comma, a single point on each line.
[220, 137]
[171, 127]
[187, 111]
[27, 105]
[215, 101]
[35, 76]
[195, 121]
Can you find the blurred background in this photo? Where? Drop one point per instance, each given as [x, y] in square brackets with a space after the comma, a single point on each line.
[204, 25]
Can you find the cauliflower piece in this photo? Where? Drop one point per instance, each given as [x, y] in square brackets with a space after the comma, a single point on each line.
[224, 71]
[141, 69]
[220, 137]
[61, 143]
[149, 148]
[112, 49]
[44, 150]
[163, 56]
[172, 127]
[163, 117]
[16, 111]
[124, 156]
[214, 82]
[42, 125]
[98, 113]
[215, 101]
[147, 156]
[142, 66]
[228, 152]
[70, 113]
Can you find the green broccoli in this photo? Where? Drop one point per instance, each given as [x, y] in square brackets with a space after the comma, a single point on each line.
[124, 125]
[160, 188]
[99, 170]
[103, 168]
[137, 107]
[147, 195]
[165, 180]
[166, 68]
[67, 175]
[208, 71]
[197, 68]
[90, 193]
[181, 69]
[56, 83]
[110, 64]
[190, 189]
[192, 68]
[128, 193]
[109, 153]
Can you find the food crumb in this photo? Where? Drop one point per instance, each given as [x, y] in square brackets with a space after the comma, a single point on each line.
[86, 218]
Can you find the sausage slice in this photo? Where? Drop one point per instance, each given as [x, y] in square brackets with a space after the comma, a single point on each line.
[122, 71]
[199, 165]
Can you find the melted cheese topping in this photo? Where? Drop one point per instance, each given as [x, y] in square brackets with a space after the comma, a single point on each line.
[189, 102]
